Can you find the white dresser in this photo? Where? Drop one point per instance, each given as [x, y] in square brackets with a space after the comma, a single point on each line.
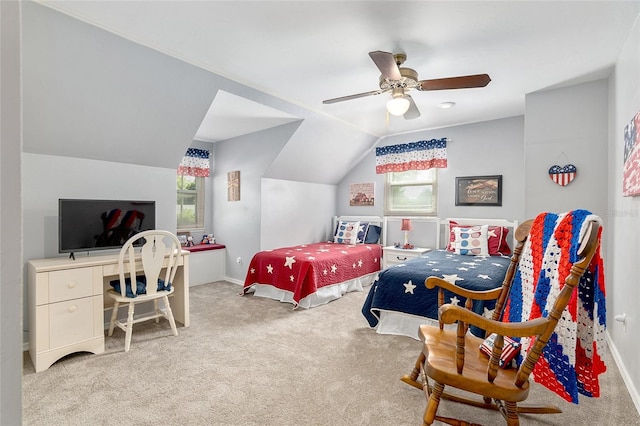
[392, 255]
[65, 312]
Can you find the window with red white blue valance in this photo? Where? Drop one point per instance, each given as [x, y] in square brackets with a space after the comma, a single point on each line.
[195, 163]
[421, 155]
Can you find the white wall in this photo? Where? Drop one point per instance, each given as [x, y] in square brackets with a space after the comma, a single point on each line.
[89, 93]
[313, 208]
[49, 178]
[623, 213]
[567, 126]
[488, 148]
[10, 216]
[237, 224]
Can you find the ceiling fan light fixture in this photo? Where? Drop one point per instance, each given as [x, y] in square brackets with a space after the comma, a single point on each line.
[398, 106]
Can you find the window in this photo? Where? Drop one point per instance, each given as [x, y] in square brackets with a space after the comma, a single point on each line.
[190, 206]
[411, 193]
[192, 170]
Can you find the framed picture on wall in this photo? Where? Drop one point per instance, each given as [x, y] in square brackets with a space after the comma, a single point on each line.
[479, 191]
[233, 185]
[362, 194]
[631, 170]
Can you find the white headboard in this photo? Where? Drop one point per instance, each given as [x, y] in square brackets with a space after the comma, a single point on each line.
[376, 220]
[444, 225]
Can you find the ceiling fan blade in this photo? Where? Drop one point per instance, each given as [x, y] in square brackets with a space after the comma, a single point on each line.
[463, 82]
[358, 95]
[413, 111]
[386, 64]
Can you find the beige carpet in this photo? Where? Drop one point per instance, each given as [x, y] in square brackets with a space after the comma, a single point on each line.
[249, 361]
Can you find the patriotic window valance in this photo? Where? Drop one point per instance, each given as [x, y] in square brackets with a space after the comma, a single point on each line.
[195, 163]
[421, 155]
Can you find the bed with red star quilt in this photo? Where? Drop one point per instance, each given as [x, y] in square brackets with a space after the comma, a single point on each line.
[475, 255]
[310, 275]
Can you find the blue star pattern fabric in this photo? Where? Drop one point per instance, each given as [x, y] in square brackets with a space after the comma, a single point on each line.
[401, 288]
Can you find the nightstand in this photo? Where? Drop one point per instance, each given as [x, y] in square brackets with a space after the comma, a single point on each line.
[392, 255]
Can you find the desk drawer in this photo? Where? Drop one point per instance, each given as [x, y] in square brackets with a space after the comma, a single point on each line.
[70, 284]
[71, 322]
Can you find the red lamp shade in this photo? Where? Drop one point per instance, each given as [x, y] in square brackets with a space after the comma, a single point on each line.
[406, 225]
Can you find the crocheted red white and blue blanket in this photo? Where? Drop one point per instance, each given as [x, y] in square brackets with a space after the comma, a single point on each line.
[571, 362]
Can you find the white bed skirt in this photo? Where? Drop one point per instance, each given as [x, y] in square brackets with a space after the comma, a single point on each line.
[401, 324]
[322, 296]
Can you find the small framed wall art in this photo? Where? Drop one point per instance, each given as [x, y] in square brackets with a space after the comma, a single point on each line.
[479, 191]
[631, 168]
[362, 194]
[233, 186]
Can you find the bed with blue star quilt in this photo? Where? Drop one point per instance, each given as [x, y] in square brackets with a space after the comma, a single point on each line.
[398, 301]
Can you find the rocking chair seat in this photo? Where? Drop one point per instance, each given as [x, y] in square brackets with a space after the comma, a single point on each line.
[440, 365]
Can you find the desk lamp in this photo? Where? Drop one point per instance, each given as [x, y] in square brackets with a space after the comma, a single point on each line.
[406, 227]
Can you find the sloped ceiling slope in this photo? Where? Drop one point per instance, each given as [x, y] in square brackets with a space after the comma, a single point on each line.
[90, 94]
[323, 150]
[309, 51]
[230, 116]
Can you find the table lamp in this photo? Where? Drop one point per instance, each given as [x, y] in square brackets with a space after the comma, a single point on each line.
[406, 227]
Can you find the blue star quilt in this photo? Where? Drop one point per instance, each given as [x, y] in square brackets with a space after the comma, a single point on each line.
[400, 288]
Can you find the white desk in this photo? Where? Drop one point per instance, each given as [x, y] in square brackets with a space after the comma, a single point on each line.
[67, 300]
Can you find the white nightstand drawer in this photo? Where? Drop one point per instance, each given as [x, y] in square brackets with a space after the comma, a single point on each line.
[70, 284]
[393, 256]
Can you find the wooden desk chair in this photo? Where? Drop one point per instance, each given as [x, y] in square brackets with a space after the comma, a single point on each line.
[452, 357]
[139, 281]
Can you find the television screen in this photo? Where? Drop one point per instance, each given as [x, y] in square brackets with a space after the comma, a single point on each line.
[87, 225]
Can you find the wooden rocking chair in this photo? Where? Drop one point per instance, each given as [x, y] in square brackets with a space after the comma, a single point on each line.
[452, 357]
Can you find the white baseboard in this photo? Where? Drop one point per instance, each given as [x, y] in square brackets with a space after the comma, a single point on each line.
[633, 392]
[234, 281]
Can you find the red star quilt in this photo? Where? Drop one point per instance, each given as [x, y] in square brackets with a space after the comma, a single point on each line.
[302, 270]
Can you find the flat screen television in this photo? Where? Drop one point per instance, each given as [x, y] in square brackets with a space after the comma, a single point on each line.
[88, 225]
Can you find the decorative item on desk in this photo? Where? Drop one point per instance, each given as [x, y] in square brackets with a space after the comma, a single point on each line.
[208, 239]
[190, 241]
[406, 227]
[183, 237]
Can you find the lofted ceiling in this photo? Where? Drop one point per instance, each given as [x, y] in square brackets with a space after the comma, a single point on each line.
[305, 52]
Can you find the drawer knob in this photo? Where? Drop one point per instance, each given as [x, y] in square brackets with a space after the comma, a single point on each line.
[72, 284]
[72, 308]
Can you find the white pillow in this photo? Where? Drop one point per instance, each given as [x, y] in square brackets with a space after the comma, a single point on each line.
[472, 240]
[346, 232]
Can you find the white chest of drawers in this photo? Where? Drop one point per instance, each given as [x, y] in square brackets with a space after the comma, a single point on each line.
[392, 255]
[65, 312]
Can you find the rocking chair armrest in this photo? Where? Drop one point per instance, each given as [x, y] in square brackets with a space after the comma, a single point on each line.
[433, 282]
[451, 313]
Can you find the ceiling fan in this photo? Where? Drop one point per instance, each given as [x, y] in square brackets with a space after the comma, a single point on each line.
[400, 80]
